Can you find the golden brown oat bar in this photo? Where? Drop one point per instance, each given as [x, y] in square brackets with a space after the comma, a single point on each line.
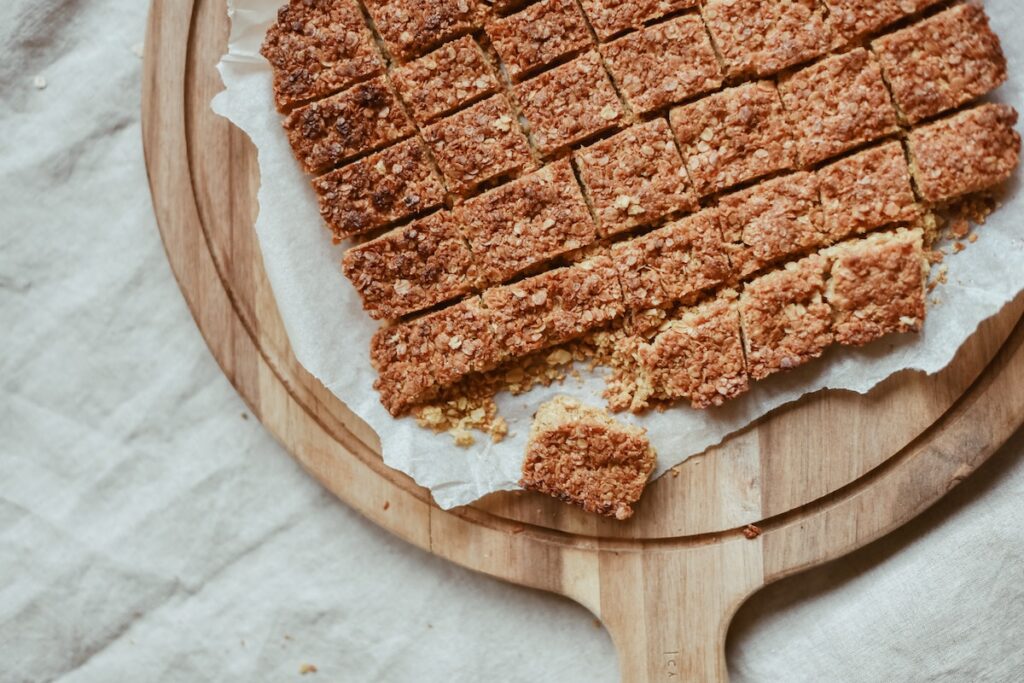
[673, 263]
[479, 144]
[838, 104]
[380, 189]
[609, 17]
[411, 268]
[942, 62]
[772, 221]
[417, 358]
[361, 119]
[698, 357]
[581, 455]
[734, 136]
[868, 190]
[974, 150]
[635, 177]
[850, 20]
[318, 47]
[448, 78]
[641, 286]
[664, 64]
[527, 221]
[553, 307]
[539, 35]
[760, 37]
[786, 321]
[877, 286]
[569, 104]
[412, 27]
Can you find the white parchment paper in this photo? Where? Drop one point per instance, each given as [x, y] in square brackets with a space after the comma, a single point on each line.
[330, 333]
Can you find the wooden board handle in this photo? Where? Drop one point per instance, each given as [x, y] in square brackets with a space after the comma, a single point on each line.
[668, 609]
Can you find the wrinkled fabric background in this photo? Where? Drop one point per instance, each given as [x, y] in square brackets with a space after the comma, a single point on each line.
[151, 530]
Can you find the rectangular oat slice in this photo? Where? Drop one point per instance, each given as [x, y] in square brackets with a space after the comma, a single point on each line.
[526, 222]
[411, 268]
[772, 221]
[479, 144]
[664, 64]
[877, 286]
[554, 307]
[971, 151]
[698, 356]
[635, 177]
[362, 119]
[538, 35]
[611, 17]
[851, 20]
[868, 190]
[786, 321]
[318, 47]
[762, 37]
[418, 358]
[411, 28]
[838, 104]
[733, 136]
[569, 104]
[375, 191]
[674, 263]
[444, 80]
[941, 62]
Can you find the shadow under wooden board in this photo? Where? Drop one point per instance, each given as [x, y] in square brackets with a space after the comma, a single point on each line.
[820, 478]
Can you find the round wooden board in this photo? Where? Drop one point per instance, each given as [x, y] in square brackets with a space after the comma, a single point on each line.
[820, 478]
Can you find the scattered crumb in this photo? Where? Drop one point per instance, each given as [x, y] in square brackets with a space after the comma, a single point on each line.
[939, 278]
[39, 82]
[751, 531]
[469, 406]
[139, 49]
[959, 227]
[387, 504]
[307, 669]
[959, 217]
[461, 414]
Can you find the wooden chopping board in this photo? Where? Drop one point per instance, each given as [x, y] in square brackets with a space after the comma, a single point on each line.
[820, 478]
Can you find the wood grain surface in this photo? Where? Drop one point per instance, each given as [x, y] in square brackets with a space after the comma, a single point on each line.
[820, 478]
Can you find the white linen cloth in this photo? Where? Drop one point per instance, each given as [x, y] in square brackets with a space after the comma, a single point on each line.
[151, 530]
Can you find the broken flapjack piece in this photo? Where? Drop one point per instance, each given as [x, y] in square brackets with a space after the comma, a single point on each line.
[581, 455]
